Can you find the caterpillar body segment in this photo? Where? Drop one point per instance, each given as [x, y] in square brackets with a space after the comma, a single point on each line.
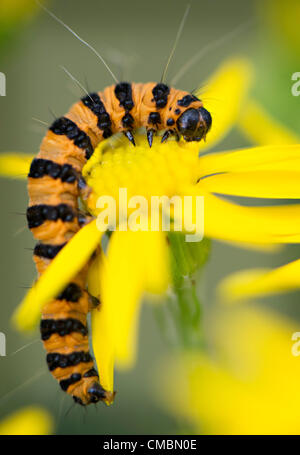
[55, 185]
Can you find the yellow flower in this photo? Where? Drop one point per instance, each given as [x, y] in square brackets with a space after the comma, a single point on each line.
[12, 11]
[246, 383]
[138, 262]
[282, 20]
[15, 165]
[261, 282]
[27, 421]
[261, 128]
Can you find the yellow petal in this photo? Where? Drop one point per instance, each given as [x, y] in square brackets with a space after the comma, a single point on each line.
[93, 281]
[122, 293]
[268, 158]
[15, 165]
[146, 257]
[255, 282]
[225, 220]
[136, 262]
[102, 333]
[59, 273]
[27, 421]
[223, 96]
[258, 126]
[156, 261]
[260, 184]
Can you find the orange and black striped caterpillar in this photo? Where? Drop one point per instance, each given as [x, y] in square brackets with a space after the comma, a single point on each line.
[55, 185]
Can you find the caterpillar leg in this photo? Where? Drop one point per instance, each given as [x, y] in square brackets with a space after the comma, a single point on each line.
[93, 301]
[150, 134]
[169, 133]
[129, 136]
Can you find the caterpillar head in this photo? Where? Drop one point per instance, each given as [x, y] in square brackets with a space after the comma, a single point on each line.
[194, 124]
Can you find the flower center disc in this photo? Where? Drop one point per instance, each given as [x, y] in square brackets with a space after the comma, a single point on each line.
[163, 169]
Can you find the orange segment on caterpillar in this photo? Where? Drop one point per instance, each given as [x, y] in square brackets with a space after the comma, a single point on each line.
[55, 186]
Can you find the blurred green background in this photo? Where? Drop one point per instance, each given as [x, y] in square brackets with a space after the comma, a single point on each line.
[136, 36]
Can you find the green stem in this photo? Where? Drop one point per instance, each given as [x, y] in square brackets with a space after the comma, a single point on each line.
[184, 305]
